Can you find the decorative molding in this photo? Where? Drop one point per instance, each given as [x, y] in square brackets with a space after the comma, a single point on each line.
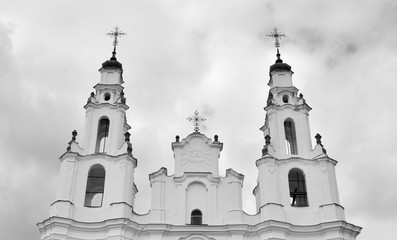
[196, 236]
[332, 204]
[65, 201]
[323, 167]
[122, 164]
[232, 173]
[189, 177]
[130, 226]
[115, 203]
[161, 172]
[271, 167]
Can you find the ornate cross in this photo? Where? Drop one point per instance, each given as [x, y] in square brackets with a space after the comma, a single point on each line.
[276, 35]
[196, 119]
[115, 34]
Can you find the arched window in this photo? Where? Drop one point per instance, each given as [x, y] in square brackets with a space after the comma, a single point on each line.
[297, 188]
[285, 98]
[95, 186]
[290, 137]
[196, 217]
[103, 132]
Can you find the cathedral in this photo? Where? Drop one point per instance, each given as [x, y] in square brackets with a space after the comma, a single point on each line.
[296, 193]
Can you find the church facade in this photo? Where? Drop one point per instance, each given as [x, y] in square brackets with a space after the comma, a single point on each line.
[296, 193]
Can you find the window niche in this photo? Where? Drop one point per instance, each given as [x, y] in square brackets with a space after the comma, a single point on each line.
[290, 137]
[297, 188]
[285, 98]
[95, 186]
[196, 217]
[102, 137]
[106, 96]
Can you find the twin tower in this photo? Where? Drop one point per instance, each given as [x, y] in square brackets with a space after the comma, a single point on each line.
[296, 193]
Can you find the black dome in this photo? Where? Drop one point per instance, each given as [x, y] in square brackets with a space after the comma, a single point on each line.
[280, 66]
[112, 63]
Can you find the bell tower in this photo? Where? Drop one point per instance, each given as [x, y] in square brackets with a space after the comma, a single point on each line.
[296, 182]
[96, 179]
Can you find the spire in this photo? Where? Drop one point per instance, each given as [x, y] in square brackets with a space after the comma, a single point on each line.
[113, 63]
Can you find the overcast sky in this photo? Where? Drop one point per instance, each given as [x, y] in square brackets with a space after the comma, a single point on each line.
[213, 56]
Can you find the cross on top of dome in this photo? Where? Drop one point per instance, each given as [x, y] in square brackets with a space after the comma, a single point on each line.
[276, 35]
[115, 34]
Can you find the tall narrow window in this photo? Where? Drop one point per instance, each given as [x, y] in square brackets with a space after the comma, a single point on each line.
[95, 186]
[103, 132]
[297, 188]
[290, 137]
[196, 217]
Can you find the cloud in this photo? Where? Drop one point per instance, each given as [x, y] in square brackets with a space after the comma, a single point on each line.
[210, 56]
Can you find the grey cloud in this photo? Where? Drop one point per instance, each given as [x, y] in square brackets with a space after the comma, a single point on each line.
[170, 52]
[311, 39]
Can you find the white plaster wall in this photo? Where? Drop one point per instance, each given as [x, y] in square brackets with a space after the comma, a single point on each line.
[281, 78]
[111, 76]
[302, 131]
[320, 185]
[118, 190]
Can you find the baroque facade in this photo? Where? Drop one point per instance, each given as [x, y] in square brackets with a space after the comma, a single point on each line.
[296, 193]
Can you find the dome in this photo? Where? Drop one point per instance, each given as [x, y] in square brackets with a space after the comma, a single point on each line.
[112, 63]
[280, 66]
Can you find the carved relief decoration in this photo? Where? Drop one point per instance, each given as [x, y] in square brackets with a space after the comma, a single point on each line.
[196, 156]
[271, 167]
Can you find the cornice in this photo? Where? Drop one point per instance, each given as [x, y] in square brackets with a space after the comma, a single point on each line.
[192, 176]
[116, 158]
[161, 172]
[264, 226]
[275, 107]
[108, 86]
[117, 106]
[230, 172]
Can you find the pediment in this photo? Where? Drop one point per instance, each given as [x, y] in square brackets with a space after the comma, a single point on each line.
[197, 153]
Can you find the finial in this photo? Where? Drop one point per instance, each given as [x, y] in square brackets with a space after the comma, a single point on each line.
[265, 149]
[196, 119]
[277, 35]
[91, 97]
[74, 134]
[127, 140]
[267, 139]
[69, 147]
[216, 139]
[177, 138]
[122, 98]
[318, 141]
[115, 34]
[127, 136]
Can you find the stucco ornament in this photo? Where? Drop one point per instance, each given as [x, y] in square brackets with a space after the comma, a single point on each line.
[122, 164]
[271, 167]
[323, 167]
[196, 237]
[196, 155]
